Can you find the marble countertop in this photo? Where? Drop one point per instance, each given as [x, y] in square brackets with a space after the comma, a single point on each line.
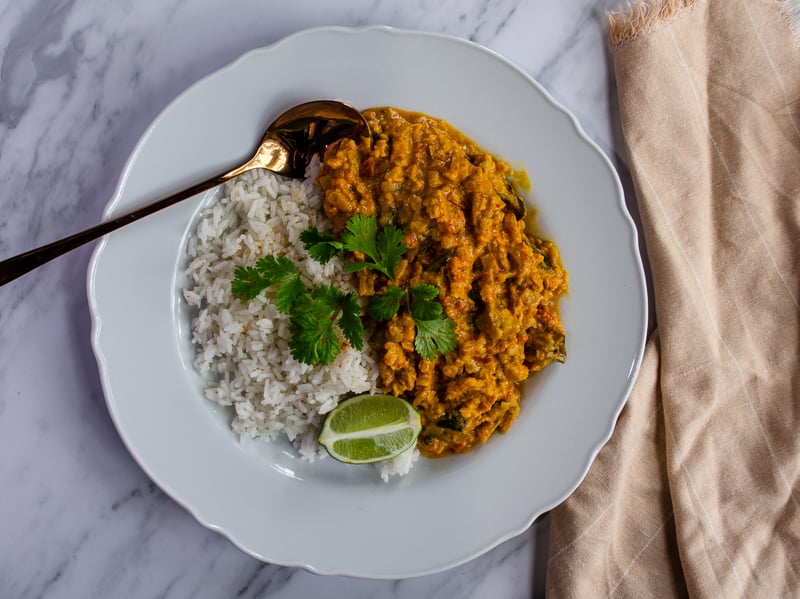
[80, 80]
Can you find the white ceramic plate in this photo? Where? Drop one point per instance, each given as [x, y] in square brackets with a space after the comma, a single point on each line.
[328, 517]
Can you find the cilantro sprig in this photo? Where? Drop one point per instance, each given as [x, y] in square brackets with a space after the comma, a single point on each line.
[250, 281]
[435, 332]
[311, 323]
[382, 247]
[316, 314]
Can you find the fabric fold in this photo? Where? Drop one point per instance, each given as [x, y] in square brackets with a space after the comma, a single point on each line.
[699, 482]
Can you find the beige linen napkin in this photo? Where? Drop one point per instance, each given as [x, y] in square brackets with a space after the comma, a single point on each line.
[697, 493]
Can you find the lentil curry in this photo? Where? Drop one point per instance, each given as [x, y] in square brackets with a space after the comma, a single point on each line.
[465, 229]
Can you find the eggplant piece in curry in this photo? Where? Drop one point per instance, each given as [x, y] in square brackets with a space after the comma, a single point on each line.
[465, 229]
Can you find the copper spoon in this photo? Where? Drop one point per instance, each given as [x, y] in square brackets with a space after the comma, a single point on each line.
[286, 148]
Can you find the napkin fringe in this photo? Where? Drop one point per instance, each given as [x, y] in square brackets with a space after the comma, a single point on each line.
[643, 15]
[791, 10]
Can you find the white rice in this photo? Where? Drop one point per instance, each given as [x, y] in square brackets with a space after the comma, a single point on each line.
[243, 349]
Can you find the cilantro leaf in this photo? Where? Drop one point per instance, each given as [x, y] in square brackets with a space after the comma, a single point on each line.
[314, 339]
[435, 335]
[313, 325]
[274, 269]
[321, 303]
[331, 303]
[435, 332]
[356, 266]
[427, 310]
[359, 235]
[422, 305]
[247, 283]
[320, 246]
[424, 291]
[250, 281]
[289, 291]
[384, 305]
[329, 296]
[390, 248]
[384, 247]
[350, 321]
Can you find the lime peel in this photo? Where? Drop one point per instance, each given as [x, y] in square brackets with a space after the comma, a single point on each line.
[370, 428]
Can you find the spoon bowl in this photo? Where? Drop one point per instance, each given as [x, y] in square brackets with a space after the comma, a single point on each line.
[302, 131]
[286, 148]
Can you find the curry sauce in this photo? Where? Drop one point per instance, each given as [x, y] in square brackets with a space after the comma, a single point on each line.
[465, 229]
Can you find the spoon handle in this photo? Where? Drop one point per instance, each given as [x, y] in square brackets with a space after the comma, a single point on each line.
[17, 266]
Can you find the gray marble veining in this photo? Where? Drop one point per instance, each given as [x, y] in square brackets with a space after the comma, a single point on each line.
[80, 80]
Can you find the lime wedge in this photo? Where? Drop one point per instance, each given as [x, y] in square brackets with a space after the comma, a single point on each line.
[370, 428]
